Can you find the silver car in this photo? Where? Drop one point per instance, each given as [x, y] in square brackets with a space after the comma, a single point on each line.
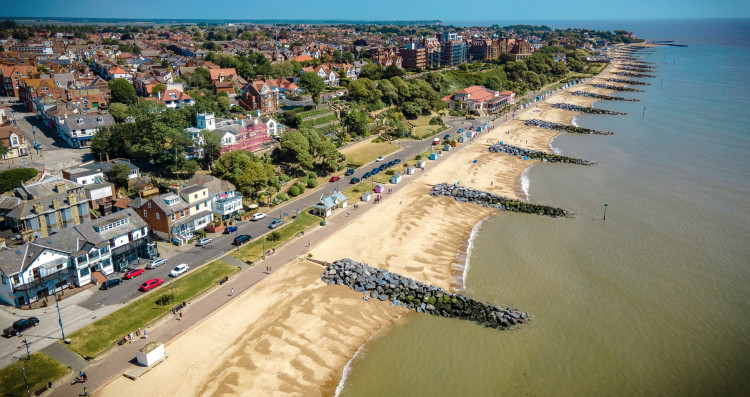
[156, 263]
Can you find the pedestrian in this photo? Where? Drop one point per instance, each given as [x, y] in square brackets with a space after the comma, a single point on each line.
[347, 213]
[492, 183]
[145, 334]
[231, 292]
[85, 393]
[180, 315]
[131, 336]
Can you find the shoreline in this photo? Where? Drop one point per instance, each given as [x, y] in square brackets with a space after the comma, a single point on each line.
[294, 335]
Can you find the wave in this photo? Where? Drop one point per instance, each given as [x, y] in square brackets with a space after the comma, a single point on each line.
[575, 123]
[461, 266]
[552, 146]
[525, 182]
[348, 366]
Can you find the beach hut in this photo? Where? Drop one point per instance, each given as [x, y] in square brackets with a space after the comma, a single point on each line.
[461, 138]
[396, 178]
[447, 148]
[379, 189]
[420, 164]
[328, 204]
[454, 143]
[434, 156]
[409, 171]
[367, 196]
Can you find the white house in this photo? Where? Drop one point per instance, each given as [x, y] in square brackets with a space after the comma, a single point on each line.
[78, 131]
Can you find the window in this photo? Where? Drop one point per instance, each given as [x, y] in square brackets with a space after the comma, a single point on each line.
[157, 216]
[145, 214]
[172, 216]
[149, 204]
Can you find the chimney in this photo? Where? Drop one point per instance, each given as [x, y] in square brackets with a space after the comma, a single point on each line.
[71, 198]
[38, 208]
[56, 203]
[60, 187]
[108, 157]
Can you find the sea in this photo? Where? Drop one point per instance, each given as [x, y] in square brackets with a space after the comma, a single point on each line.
[654, 300]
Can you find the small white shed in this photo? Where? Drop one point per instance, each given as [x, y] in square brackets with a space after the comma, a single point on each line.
[150, 354]
[367, 196]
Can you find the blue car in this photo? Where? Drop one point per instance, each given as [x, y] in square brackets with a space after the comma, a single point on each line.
[367, 175]
[275, 223]
[375, 171]
[349, 172]
[354, 180]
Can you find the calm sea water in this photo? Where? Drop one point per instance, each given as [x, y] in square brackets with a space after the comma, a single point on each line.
[652, 301]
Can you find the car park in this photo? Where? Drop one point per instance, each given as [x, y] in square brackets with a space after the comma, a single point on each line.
[241, 239]
[348, 172]
[230, 229]
[151, 284]
[203, 242]
[110, 283]
[156, 263]
[354, 180]
[20, 326]
[447, 136]
[334, 178]
[383, 167]
[379, 159]
[257, 216]
[179, 269]
[132, 273]
[375, 171]
[275, 223]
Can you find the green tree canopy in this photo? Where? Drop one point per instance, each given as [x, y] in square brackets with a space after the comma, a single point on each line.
[122, 91]
[313, 85]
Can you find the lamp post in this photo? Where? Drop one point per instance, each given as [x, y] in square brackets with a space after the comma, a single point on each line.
[171, 289]
[237, 231]
[605, 212]
[57, 303]
[23, 370]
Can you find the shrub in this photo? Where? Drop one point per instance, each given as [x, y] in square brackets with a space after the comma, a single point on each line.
[311, 183]
[200, 233]
[312, 175]
[164, 300]
[274, 180]
[282, 197]
[378, 140]
[390, 172]
[436, 121]
[12, 178]
[284, 177]
[301, 187]
[418, 157]
[274, 236]
[293, 191]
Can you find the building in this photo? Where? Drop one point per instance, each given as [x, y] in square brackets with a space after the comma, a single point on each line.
[176, 99]
[105, 167]
[413, 56]
[74, 256]
[479, 99]
[328, 75]
[15, 141]
[48, 206]
[31, 89]
[226, 201]
[482, 48]
[79, 131]
[453, 48]
[434, 52]
[329, 204]
[12, 76]
[101, 194]
[250, 138]
[174, 217]
[258, 95]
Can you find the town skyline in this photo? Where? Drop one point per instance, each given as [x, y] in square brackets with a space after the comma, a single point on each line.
[387, 10]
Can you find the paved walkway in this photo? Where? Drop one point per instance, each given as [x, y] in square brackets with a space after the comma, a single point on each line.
[66, 357]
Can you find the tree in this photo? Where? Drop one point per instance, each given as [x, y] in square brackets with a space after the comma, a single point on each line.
[119, 174]
[348, 56]
[411, 110]
[119, 111]
[295, 148]
[122, 91]
[356, 121]
[494, 83]
[283, 69]
[392, 70]
[211, 147]
[371, 71]
[313, 85]
[190, 167]
[158, 89]
[3, 150]
[224, 103]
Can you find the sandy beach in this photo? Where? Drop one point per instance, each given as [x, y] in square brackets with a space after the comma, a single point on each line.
[291, 334]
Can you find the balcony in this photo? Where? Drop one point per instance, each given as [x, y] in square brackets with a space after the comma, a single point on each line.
[60, 274]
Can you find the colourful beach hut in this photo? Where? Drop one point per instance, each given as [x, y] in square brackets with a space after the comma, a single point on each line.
[367, 196]
[396, 178]
[461, 138]
[446, 148]
[434, 156]
[379, 189]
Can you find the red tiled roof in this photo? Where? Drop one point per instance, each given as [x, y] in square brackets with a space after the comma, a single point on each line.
[217, 73]
[303, 58]
[477, 93]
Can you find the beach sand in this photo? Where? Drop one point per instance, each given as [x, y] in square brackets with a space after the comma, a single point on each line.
[291, 334]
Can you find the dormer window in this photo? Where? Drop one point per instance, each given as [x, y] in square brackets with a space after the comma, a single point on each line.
[80, 121]
[99, 119]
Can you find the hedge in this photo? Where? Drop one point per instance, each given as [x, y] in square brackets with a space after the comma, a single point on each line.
[12, 178]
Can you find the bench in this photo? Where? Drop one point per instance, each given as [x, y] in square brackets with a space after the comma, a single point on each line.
[43, 389]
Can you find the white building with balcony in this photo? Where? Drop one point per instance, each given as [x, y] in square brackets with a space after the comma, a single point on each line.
[226, 201]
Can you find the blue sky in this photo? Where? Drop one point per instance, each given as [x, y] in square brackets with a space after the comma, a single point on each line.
[446, 10]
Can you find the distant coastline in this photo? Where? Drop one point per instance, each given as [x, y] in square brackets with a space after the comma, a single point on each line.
[211, 21]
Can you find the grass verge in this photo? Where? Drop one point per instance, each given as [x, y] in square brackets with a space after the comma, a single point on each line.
[366, 154]
[253, 250]
[94, 338]
[40, 369]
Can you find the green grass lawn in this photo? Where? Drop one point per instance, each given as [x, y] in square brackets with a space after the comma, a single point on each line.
[93, 339]
[39, 370]
[422, 128]
[253, 250]
[311, 113]
[368, 153]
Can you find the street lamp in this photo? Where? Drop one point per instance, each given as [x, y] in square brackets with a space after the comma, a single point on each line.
[605, 212]
[171, 289]
[57, 303]
[237, 231]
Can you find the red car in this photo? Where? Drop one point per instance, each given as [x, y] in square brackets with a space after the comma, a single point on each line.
[151, 284]
[334, 179]
[132, 273]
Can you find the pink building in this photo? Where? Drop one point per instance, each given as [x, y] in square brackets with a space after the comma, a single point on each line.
[249, 138]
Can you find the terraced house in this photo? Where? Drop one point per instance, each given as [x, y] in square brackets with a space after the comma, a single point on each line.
[78, 131]
[175, 217]
[74, 257]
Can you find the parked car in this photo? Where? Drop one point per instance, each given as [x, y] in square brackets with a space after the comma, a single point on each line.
[447, 136]
[354, 180]
[334, 179]
[375, 171]
[367, 175]
[132, 273]
[230, 229]
[110, 283]
[436, 141]
[241, 239]
[348, 172]
[203, 242]
[397, 161]
[383, 167]
[38, 145]
[179, 269]
[460, 130]
[275, 223]
[257, 216]
[156, 263]
[153, 283]
[20, 326]
[391, 163]
[379, 159]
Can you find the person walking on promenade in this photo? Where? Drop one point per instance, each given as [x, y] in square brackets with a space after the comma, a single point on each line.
[145, 334]
[231, 293]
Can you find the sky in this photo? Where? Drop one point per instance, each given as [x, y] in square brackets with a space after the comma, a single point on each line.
[517, 11]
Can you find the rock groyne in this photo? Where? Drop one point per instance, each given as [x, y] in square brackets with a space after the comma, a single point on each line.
[564, 128]
[486, 199]
[636, 75]
[537, 155]
[586, 109]
[616, 88]
[604, 97]
[636, 69]
[383, 285]
[629, 82]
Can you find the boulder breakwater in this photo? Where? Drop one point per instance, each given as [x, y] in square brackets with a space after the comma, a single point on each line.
[616, 88]
[386, 286]
[642, 65]
[636, 69]
[604, 97]
[636, 75]
[586, 109]
[564, 128]
[537, 155]
[486, 199]
[626, 81]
